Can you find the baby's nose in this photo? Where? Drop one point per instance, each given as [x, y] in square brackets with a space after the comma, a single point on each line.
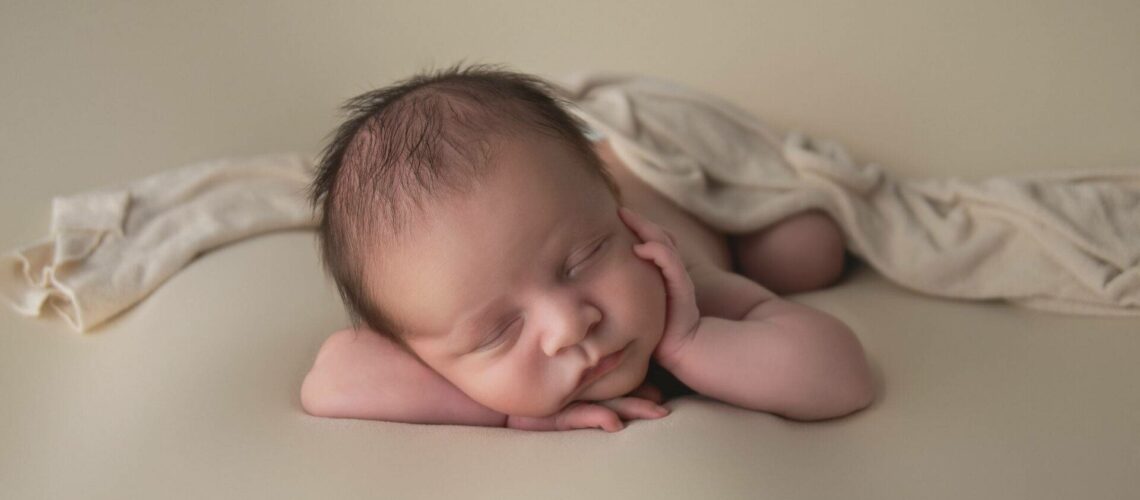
[569, 327]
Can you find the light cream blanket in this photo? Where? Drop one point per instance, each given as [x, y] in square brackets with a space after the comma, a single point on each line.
[1065, 242]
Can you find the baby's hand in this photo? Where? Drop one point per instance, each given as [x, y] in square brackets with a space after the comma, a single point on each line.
[607, 415]
[682, 315]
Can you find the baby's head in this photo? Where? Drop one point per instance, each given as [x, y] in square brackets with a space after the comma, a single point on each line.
[464, 215]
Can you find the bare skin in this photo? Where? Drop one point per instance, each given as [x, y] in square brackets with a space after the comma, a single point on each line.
[733, 282]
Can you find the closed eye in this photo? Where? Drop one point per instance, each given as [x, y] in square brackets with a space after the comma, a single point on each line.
[496, 338]
[594, 251]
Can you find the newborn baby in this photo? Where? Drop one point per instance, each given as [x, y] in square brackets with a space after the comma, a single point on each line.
[501, 269]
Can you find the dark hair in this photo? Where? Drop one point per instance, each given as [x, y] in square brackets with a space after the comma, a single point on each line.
[415, 141]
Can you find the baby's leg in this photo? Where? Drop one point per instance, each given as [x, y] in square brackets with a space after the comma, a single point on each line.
[802, 252]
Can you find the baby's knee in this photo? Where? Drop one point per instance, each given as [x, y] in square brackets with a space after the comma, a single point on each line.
[803, 252]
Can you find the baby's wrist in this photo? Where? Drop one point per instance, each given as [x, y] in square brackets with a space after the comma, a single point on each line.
[671, 351]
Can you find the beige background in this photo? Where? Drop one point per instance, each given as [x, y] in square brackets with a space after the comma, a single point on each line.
[968, 88]
[193, 392]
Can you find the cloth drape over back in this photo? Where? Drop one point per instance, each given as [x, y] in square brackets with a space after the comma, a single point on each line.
[1064, 241]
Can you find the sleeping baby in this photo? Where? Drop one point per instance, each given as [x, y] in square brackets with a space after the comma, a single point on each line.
[503, 269]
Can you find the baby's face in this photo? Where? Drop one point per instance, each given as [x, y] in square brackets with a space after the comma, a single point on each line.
[514, 291]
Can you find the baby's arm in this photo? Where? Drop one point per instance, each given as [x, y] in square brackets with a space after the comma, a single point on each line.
[365, 375]
[781, 357]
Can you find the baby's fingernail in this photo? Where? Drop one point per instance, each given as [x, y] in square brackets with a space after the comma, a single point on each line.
[662, 411]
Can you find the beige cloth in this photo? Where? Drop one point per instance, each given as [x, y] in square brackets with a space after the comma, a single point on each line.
[110, 248]
[1065, 242]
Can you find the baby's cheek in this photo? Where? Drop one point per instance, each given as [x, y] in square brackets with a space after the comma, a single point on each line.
[649, 278]
[517, 388]
[645, 292]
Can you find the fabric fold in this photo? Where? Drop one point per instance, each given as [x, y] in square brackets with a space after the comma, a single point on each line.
[1059, 241]
[109, 249]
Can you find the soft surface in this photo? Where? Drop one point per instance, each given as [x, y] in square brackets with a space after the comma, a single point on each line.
[193, 392]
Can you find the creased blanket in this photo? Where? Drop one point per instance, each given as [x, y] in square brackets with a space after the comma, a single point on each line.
[1065, 242]
[111, 247]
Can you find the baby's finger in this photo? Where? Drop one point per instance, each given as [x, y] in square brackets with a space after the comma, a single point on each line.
[671, 265]
[648, 391]
[633, 408]
[645, 229]
[682, 315]
[586, 416]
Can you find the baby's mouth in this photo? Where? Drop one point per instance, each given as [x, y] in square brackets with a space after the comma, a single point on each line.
[604, 366]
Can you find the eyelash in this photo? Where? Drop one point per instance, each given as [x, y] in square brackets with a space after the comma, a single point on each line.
[589, 256]
[494, 340]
